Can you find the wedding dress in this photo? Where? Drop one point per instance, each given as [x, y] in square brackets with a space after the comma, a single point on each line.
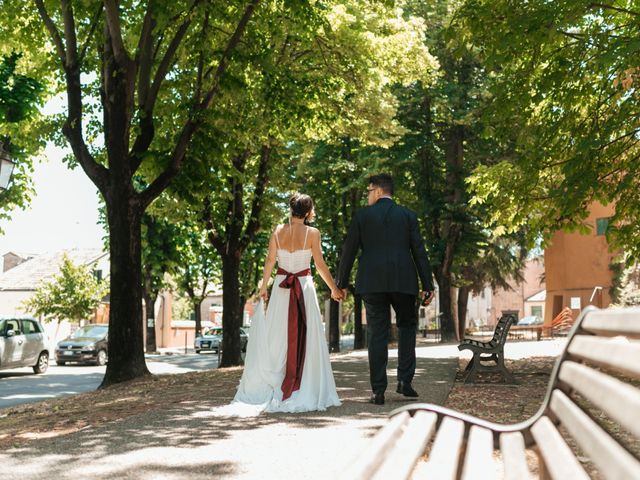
[280, 375]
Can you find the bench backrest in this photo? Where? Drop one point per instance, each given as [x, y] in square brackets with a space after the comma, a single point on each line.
[502, 329]
[594, 393]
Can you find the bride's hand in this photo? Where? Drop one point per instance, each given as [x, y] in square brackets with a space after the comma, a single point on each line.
[336, 294]
[263, 294]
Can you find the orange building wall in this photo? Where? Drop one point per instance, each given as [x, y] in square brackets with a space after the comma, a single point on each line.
[576, 264]
[513, 300]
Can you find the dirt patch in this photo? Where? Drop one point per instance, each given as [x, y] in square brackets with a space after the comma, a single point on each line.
[26, 423]
[504, 403]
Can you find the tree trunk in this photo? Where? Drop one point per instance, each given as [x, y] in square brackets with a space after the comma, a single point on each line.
[231, 310]
[358, 332]
[463, 300]
[150, 302]
[334, 326]
[197, 309]
[447, 326]
[126, 339]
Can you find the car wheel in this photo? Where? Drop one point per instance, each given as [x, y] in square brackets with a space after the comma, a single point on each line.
[244, 348]
[197, 351]
[62, 364]
[102, 358]
[43, 363]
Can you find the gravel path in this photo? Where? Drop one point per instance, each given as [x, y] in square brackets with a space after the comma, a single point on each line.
[187, 442]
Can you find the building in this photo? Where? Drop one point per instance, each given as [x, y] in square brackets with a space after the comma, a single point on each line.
[22, 274]
[522, 299]
[578, 269]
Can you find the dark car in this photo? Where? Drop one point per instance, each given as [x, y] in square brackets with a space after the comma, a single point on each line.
[88, 344]
[23, 343]
[211, 339]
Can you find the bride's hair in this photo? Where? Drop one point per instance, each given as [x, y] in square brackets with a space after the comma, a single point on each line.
[301, 204]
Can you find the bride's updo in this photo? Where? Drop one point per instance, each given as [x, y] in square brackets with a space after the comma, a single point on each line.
[300, 204]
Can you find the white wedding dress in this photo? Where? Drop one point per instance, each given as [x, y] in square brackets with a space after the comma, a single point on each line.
[260, 388]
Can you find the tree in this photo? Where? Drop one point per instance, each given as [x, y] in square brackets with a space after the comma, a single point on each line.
[20, 95]
[299, 80]
[160, 246]
[120, 64]
[569, 80]
[198, 269]
[73, 294]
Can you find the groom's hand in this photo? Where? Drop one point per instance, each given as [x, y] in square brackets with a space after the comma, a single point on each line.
[344, 293]
[426, 298]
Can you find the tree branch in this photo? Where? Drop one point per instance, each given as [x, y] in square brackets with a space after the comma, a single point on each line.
[69, 33]
[148, 95]
[194, 121]
[72, 128]
[113, 24]
[612, 7]
[231, 45]
[92, 30]
[53, 30]
[212, 234]
[256, 206]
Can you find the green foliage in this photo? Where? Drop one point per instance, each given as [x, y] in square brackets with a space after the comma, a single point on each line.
[565, 79]
[73, 294]
[20, 95]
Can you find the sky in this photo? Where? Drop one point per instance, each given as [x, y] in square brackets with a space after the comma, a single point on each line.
[63, 213]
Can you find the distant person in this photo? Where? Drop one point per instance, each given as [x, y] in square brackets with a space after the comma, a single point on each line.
[392, 258]
[287, 367]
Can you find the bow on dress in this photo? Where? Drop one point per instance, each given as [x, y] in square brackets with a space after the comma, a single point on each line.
[296, 332]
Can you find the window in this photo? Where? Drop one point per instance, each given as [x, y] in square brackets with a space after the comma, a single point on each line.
[13, 325]
[29, 327]
[536, 311]
[97, 274]
[602, 225]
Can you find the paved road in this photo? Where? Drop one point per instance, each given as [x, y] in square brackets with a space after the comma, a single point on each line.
[23, 386]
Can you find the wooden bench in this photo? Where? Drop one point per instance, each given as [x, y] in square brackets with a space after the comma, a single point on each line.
[591, 395]
[491, 351]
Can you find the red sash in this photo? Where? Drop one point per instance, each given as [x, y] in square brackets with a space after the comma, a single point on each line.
[297, 331]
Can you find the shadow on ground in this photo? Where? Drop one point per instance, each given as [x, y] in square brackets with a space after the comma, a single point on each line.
[186, 442]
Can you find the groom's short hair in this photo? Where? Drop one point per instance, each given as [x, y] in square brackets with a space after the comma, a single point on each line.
[382, 181]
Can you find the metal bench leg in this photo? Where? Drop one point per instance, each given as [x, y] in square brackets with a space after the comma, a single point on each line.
[508, 378]
[472, 368]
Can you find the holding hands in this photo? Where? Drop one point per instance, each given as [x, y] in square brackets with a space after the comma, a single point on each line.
[337, 294]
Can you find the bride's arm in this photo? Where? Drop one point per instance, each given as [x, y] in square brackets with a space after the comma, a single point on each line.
[321, 266]
[269, 263]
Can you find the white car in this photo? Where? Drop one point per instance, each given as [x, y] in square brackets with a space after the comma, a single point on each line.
[23, 344]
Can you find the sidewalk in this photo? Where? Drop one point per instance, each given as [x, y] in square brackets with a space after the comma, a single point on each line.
[187, 442]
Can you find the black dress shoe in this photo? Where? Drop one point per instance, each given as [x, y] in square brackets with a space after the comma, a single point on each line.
[406, 389]
[377, 399]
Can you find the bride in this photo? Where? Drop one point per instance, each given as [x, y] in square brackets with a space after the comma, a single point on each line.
[287, 367]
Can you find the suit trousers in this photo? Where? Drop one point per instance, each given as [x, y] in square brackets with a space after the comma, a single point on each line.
[378, 308]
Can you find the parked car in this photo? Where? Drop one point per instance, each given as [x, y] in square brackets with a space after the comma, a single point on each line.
[530, 320]
[211, 339]
[88, 344]
[23, 343]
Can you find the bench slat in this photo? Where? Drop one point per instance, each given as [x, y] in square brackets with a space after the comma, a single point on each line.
[478, 460]
[514, 456]
[617, 399]
[409, 447]
[365, 465]
[559, 460]
[618, 352]
[612, 460]
[443, 459]
[613, 322]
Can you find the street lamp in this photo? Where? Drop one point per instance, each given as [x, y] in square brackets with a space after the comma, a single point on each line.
[6, 169]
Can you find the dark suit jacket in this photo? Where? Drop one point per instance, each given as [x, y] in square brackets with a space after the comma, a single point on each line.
[392, 251]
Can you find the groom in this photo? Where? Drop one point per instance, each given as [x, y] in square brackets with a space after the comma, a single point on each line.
[392, 253]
